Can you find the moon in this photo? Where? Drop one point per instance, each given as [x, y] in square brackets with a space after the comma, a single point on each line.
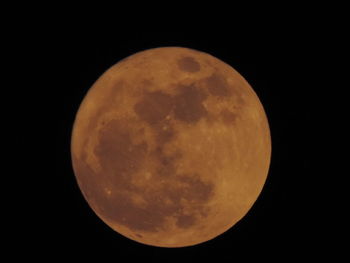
[171, 147]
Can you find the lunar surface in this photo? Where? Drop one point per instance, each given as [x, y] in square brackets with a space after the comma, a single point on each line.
[171, 147]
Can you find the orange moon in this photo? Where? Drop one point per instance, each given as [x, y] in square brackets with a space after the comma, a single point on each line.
[171, 147]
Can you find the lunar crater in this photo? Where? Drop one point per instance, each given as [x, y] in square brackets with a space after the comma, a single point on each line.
[228, 117]
[189, 104]
[154, 107]
[218, 86]
[188, 64]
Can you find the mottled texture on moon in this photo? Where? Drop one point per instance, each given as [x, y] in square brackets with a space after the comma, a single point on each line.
[171, 147]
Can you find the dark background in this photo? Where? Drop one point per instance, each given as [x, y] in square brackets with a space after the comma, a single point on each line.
[276, 225]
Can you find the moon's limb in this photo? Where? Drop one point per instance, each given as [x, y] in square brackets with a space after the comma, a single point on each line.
[171, 147]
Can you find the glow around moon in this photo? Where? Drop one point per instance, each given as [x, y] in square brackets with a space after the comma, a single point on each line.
[171, 147]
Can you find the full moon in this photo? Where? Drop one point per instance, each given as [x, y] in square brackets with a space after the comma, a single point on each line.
[171, 147]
